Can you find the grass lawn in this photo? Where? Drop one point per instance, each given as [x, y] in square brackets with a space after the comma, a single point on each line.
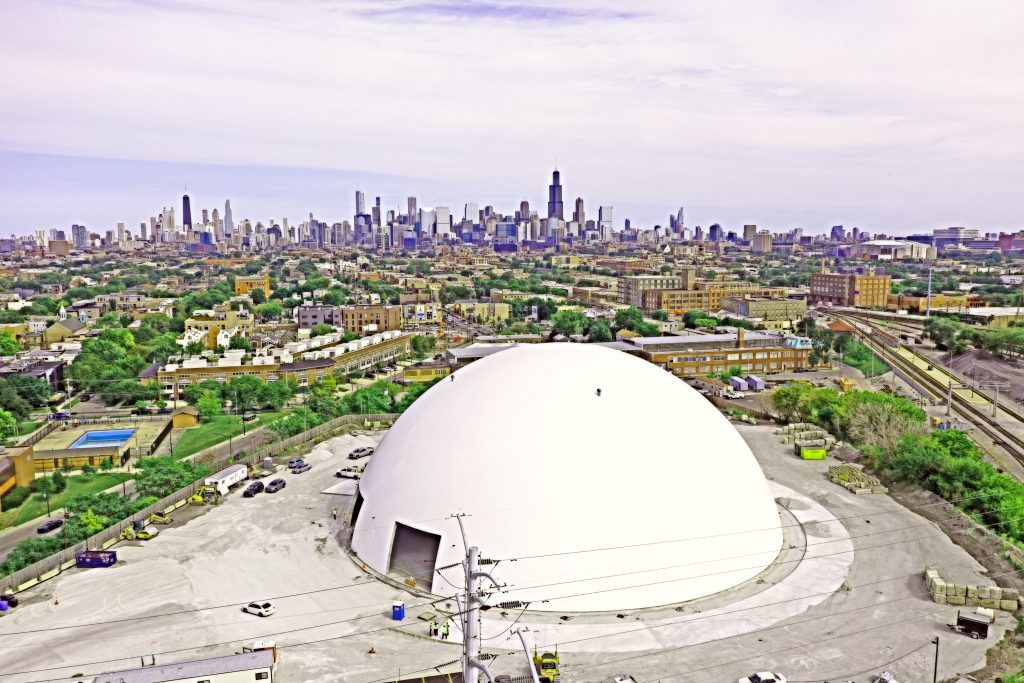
[217, 430]
[35, 506]
[29, 426]
[72, 403]
[861, 357]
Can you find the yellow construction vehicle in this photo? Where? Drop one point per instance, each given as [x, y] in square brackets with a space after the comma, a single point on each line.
[139, 530]
[546, 665]
[205, 495]
[845, 384]
[157, 518]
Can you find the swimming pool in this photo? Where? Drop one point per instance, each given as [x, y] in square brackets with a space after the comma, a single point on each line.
[103, 437]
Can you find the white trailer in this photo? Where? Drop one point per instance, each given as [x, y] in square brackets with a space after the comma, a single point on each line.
[226, 478]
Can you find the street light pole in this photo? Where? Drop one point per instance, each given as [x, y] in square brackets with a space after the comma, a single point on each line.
[935, 671]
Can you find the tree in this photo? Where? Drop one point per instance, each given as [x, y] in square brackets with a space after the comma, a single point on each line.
[321, 330]
[8, 344]
[194, 348]
[258, 296]
[11, 401]
[7, 425]
[599, 332]
[841, 343]
[629, 318]
[119, 336]
[162, 476]
[240, 342]
[569, 323]
[423, 344]
[270, 309]
[209, 405]
[660, 315]
[34, 390]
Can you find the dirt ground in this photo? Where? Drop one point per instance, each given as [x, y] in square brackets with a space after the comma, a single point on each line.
[986, 548]
[982, 366]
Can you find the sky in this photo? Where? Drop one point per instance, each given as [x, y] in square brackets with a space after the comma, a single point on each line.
[895, 117]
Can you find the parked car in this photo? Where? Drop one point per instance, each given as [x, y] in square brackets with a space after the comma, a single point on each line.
[275, 486]
[248, 416]
[86, 397]
[59, 416]
[345, 474]
[260, 609]
[360, 453]
[164, 411]
[304, 467]
[49, 525]
[764, 677]
[295, 461]
[252, 489]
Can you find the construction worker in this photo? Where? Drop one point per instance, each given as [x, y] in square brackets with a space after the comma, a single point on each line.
[334, 513]
[445, 628]
[433, 629]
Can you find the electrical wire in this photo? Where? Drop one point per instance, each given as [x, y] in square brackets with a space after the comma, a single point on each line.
[876, 667]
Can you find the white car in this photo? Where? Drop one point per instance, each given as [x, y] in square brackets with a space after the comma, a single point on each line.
[260, 609]
[360, 453]
[763, 677]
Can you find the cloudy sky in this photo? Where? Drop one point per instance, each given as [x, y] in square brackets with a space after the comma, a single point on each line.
[892, 116]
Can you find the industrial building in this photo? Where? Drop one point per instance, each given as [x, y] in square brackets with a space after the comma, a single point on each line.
[648, 460]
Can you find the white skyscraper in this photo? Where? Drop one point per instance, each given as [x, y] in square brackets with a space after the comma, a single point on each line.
[229, 223]
[472, 213]
[604, 222]
[120, 233]
[360, 203]
[443, 222]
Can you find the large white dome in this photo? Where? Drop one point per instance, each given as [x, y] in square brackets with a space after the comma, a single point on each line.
[648, 475]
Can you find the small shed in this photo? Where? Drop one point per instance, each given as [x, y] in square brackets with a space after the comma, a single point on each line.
[186, 417]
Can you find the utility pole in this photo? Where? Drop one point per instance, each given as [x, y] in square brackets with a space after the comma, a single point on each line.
[469, 613]
[935, 671]
[949, 395]
[997, 386]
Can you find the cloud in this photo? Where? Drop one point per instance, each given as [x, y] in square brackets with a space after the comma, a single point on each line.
[896, 109]
[468, 9]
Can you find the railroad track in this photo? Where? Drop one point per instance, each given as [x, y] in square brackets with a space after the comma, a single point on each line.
[1010, 442]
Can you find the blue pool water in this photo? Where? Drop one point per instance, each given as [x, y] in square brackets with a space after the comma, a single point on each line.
[105, 437]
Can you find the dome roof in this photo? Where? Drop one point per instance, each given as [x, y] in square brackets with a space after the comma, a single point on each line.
[648, 475]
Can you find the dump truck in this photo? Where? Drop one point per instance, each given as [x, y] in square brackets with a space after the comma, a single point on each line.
[546, 665]
[139, 530]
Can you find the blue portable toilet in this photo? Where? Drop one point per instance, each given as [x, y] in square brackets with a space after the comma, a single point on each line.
[755, 383]
[4, 606]
[738, 384]
[398, 610]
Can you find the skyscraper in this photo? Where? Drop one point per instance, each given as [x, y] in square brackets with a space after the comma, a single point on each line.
[79, 236]
[604, 222]
[679, 220]
[186, 213]
[229, 223]
[748, 232]
[555, 197]
[360, 203]
[578, 215]
[411, 202]
[472, 213]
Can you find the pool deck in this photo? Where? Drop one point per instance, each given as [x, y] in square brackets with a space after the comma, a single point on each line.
[62, 438]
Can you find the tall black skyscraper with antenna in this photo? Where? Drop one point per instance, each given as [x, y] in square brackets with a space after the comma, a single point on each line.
[555, 197]
[186, 213]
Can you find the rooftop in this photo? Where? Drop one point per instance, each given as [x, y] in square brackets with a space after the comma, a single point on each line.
[263, 659]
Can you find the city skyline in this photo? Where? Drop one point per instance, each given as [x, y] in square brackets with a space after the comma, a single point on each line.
[758, 114]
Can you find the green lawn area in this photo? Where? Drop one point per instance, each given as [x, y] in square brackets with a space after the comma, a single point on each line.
[72, 403]
[217, 430]
[35, 506]
[861, 357]
[28, 426]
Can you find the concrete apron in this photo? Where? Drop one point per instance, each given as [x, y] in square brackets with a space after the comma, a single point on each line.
[828, 547]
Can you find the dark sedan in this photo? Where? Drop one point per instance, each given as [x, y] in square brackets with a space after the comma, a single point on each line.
[252, 489]
[49, 525]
